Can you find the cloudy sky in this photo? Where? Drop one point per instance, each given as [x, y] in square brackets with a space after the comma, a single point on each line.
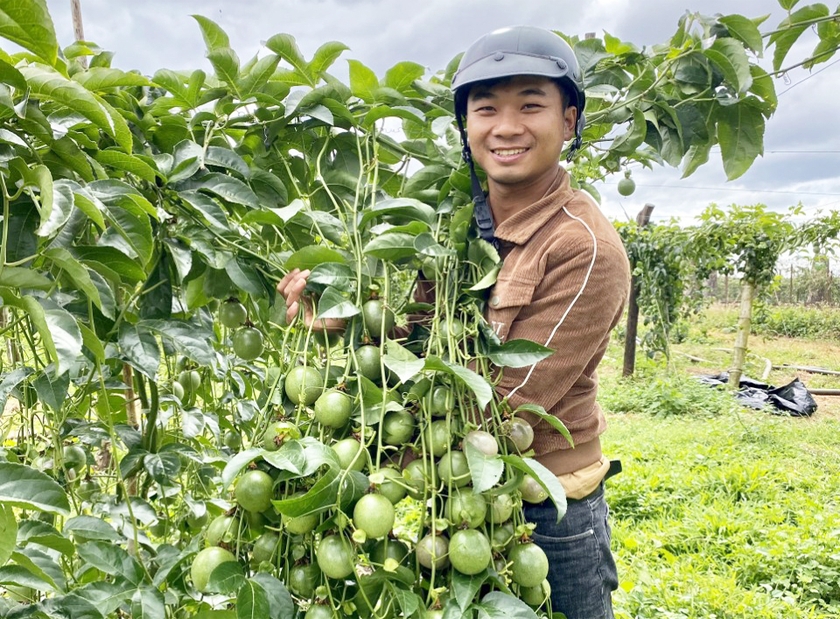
[802, 141]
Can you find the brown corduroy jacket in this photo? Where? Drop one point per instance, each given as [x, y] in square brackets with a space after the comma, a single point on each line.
[564, 283]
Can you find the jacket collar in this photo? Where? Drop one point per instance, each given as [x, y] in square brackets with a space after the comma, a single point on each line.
[519, 228]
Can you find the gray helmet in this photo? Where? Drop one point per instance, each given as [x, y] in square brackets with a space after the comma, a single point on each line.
[521, 50]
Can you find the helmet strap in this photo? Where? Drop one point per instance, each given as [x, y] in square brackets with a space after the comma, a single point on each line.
[481, 210]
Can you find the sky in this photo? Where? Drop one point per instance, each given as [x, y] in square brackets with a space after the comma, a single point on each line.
[801, 163]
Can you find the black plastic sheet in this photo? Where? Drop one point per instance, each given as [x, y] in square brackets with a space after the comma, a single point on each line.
[793, 398]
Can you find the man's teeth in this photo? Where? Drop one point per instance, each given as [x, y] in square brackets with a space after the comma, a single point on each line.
[507, 152]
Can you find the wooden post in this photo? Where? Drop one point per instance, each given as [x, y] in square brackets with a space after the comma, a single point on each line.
[744, 320]
[790, 295]
[78, 29]
[642, 220]
[726, 289]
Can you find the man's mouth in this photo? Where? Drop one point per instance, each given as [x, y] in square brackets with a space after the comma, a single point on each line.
[508, 152]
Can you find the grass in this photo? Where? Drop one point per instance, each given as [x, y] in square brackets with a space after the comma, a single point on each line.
[723, 512]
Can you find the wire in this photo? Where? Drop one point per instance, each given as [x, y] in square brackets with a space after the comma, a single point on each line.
[805, 79]
[798, 193]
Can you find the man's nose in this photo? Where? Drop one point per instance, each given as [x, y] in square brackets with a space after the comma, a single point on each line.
[508, 123]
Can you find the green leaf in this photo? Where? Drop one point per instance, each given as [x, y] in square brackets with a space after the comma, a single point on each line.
[128, 163]
[37, 532]
[764, 87]
[188, 338]
[399, 210]
[741, 137]
[208, 208]
[228, 188]
[332, 275]
[745, 30]
[51, 389]
[107, 261]
[11, 380]
[8, 532]
[90, 528]
[318, 498]
[104, 78]
[285, 46]
[70, 605]
[628, 142]
[333, 304]
[24, 487]
[226, 64]
[363, 81]
[21, 577]
[401, 76]
[214, 36]
[29, 25]
[162, 467]
[791, 28]
[226, 578]
[696, 156]
[245, 277]
[554, 422]
[130, 224]
[476, 383]
[311, 256]
[18, 277]
[257, 76]
[280, 602]
[226, 158]
[112, 560]
[106, 596]
[544, 478]
[140, 349]
[11, 76]
[486, 471]
[402, 361]
[148, 603]
[58, 329]
[464, 588]
[731, 58]
[325, 56]
[46, 82]
[60, 209]
[79, 275]
[498, 605]
[238, 462]
[787, 5]
[518, 353]
[391, 247]
[252, 601]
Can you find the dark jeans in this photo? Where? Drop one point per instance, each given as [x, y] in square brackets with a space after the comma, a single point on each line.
[582, 573]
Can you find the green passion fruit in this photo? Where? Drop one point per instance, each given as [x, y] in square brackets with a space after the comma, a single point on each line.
[377, 318]
[335, 556]
[333, 409]
[205, 563]
[254, 491]
[248, 343]
[232, 314]
[469, 551]
[529, 565]
[433, 551]
[277, 433]
[374, 514]
[304, 384]
[351, 454]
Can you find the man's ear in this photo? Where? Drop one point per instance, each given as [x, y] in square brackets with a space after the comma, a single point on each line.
[569, 122]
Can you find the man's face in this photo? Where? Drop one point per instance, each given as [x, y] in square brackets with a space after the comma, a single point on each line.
[517, 129]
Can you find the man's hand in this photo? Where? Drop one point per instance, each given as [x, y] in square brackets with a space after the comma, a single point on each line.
[291, 287]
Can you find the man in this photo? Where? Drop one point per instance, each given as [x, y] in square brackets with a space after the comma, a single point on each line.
[563, 283]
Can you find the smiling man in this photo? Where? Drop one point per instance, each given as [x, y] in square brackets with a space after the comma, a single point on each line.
[518, 99]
